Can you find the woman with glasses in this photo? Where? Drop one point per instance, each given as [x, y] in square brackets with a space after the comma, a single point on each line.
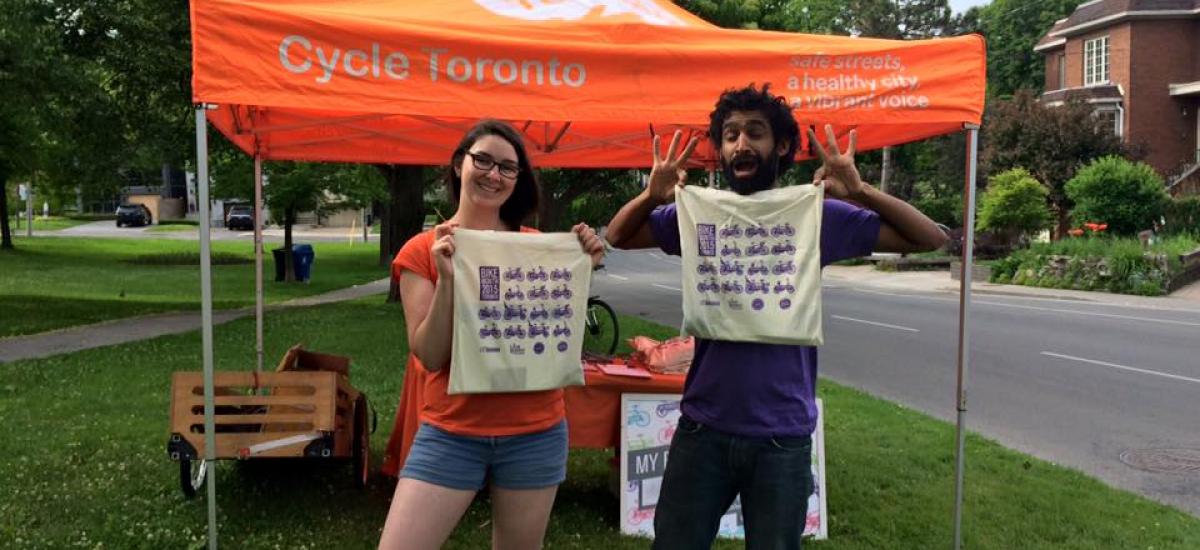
[516, 442]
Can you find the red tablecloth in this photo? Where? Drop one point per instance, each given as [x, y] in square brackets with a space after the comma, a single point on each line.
[593, 411]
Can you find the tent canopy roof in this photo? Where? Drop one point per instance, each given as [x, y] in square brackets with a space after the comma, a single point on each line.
[587, 81]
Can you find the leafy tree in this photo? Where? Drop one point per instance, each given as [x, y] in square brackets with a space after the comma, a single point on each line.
[32, 71]
[592, 196]
[1050, 142]
[1014, 204]
[293, 187]
[1012, 28]
[1127, 196]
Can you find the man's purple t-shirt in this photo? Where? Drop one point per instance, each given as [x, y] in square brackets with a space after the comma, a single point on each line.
[764, 390]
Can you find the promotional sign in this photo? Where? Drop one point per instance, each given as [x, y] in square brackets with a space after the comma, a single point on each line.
[752, 264]
[649, 422]
[519, 304]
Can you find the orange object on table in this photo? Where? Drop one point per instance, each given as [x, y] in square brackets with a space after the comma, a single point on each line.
[593, 411]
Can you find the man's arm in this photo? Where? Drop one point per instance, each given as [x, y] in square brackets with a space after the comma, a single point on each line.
[903, 227]
[630, 228]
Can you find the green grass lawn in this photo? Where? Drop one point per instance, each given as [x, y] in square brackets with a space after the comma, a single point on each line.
[52, 282]
[86, 465]
[53, 223]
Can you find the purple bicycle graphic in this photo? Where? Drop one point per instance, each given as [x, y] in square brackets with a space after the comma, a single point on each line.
[760, 286]
[536, 274]
[490, 331]
[783, 230]
[710, 285]
[756, 231]
[781, 287]
[731, 250]
[732, 231]
[560, 275]
[781, 249]
[757, 249]
[489, 313]
[788, 267]
[758, 268]
[732, 287]
[514, 332]
[514, 312]
[513, 274]
[561, 293]
[539, 312]
[731, 268]
[562, 312]
[562, 330]
[539, 293]
[538, 329]
[514, 294]
[706, 268]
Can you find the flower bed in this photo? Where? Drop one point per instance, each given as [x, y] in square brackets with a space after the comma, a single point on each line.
[1114, 265]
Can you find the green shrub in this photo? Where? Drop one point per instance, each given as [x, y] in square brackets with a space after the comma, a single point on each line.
[1131, 269]
[1127, 196]
[944, 210]
[1183, 216]
[1015, 203]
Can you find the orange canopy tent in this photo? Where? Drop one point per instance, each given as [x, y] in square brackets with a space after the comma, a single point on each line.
[399, 81]
[588, 82]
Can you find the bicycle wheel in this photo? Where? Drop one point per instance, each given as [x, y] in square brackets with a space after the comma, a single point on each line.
[601, 332]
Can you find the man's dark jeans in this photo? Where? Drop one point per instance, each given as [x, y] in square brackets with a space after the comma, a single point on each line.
[706, 469]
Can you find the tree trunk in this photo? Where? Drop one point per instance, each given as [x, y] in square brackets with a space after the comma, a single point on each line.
[548, 211]
[1064, 222]
[403, 215]
[5, 231]
[289, 272]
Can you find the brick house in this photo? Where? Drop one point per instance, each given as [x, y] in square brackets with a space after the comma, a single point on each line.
[1138, 63]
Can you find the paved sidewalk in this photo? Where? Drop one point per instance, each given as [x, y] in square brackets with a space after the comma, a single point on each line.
[122, 331]
[1187, 298]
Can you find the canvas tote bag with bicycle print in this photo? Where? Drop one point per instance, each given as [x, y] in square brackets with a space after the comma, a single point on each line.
[519, 306]
[752, 264]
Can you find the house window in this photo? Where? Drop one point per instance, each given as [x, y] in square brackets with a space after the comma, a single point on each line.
[1095, 61]
[1111, 118]
[1062, 71]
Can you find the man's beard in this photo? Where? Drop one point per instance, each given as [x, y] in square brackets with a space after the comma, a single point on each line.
[763, 178]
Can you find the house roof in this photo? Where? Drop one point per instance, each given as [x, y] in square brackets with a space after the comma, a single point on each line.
[1091, 94]
[1103, 13]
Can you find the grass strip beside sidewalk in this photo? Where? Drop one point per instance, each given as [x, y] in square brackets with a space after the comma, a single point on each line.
[86, 464]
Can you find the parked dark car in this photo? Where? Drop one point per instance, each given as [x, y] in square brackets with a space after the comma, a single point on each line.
[133, 214]
[240, 217]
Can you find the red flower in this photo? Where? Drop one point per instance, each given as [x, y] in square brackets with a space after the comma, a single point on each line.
[1075, 232]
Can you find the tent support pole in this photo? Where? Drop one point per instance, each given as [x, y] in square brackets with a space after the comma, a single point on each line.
[964, 307]
[258, 265]
[206, 321]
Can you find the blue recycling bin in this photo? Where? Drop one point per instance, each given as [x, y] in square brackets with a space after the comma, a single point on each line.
[302, 260]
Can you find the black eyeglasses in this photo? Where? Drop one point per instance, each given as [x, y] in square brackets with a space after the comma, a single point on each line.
[485, 162]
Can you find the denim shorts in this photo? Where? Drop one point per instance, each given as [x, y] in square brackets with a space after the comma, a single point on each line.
[526, 461]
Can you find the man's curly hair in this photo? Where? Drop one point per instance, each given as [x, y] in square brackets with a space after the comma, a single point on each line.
[775, 108]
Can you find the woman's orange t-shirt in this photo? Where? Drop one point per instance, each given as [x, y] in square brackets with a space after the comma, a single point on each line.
[484, 414]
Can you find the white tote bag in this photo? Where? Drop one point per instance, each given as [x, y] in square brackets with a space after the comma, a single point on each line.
[752, 264]
[519, 306]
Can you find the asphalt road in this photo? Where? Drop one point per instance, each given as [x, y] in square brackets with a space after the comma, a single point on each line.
[1077, 383]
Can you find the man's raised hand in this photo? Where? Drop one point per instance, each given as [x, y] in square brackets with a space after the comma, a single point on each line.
[668, 171]
[837, 173]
